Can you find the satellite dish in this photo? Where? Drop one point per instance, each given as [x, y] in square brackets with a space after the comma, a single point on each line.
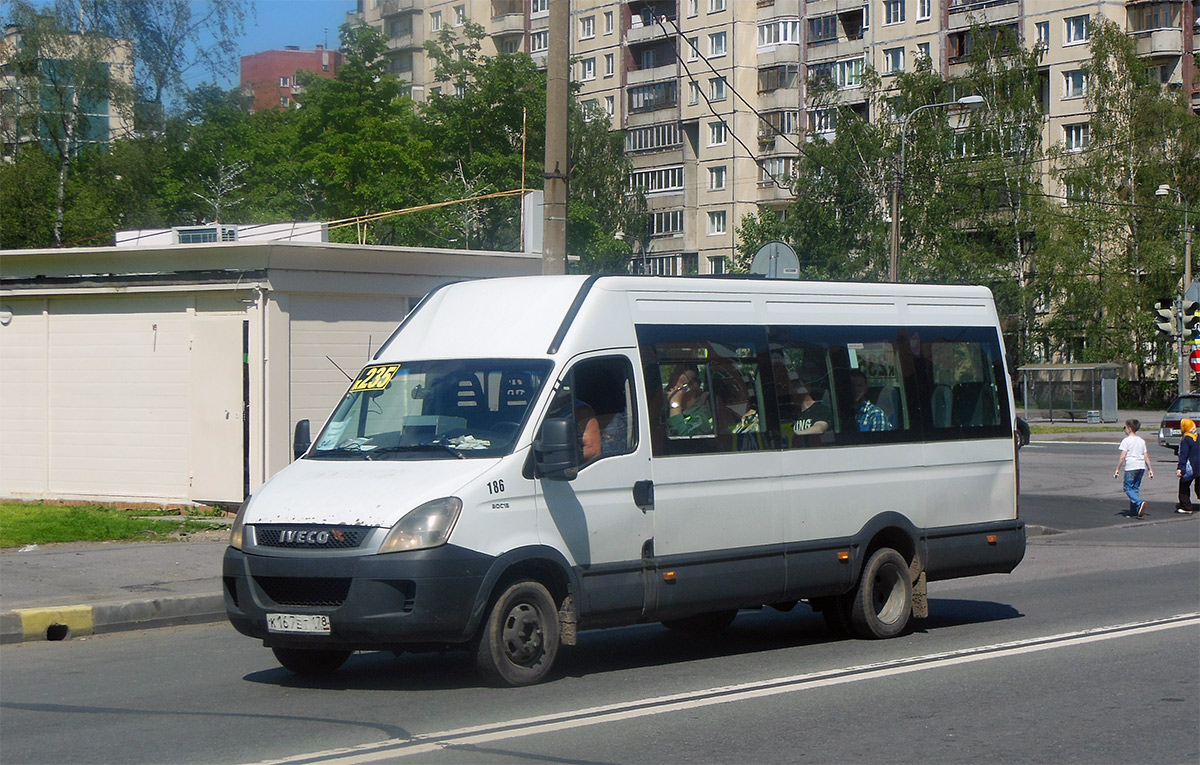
[776, 260]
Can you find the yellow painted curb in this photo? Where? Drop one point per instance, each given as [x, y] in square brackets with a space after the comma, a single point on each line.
[35, 622]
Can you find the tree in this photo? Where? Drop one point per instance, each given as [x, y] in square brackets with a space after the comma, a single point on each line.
[73, 85]
[599, 203]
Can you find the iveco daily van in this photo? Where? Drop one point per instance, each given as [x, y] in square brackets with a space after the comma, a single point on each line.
[525, 458]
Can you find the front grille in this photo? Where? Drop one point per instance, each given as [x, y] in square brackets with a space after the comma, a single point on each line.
[310, 537]
[305, 591]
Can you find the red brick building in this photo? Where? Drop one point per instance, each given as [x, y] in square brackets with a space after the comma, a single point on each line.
[269, 77]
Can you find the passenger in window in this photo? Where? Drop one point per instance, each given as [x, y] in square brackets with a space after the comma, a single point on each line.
[812, 415]
[867, 415]
[588, 427]
[688, 410]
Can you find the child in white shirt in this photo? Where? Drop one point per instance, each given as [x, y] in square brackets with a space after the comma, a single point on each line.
[1133, 457]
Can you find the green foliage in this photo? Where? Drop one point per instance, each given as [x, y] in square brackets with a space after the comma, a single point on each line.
[35, 523]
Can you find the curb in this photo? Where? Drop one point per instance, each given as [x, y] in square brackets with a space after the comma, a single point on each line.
[53, 623]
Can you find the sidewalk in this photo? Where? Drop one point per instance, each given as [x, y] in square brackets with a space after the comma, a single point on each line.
[1104, 432]
[55, 592]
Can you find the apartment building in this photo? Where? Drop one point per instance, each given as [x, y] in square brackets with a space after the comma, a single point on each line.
[52, 91]
[268, 78]
[713, 94]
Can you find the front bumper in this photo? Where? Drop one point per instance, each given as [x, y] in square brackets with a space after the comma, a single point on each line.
[373, 601]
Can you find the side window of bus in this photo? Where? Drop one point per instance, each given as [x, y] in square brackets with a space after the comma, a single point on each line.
[801, 374]
[870, 387]
[711, 396]
[598, 393]
[964, 385]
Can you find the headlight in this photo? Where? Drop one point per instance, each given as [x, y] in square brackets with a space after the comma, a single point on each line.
[239, 523]
[427, 526]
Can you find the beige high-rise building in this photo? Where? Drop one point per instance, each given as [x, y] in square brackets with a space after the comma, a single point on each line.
[688, 80]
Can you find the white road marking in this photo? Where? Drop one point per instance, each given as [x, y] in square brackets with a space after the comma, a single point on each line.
[533, 726]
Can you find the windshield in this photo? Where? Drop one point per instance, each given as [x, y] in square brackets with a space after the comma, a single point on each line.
[433, 410]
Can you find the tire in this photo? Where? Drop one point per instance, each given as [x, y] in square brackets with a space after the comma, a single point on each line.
[305, 661]
[882, 603]
[703, 624]
[518, 642]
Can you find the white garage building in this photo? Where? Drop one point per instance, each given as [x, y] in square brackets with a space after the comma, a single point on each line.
[175, 374]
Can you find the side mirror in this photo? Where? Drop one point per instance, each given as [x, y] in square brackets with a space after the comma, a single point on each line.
[556, 453]
[302, 440]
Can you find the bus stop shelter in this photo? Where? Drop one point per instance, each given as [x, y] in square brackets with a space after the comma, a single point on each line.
[1070, 391]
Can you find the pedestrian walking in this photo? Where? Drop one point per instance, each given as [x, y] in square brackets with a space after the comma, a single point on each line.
[1133, 458]
[1189, 467]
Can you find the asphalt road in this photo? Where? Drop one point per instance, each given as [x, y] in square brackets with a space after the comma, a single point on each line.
[1086, 653]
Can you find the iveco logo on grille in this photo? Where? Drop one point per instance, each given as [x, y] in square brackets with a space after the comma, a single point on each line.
[316, 538]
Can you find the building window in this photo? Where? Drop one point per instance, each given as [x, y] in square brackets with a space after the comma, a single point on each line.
[776, 170]
[285, 82]
[610, 105]
[539, 41]
[1143, 18]
[924, 9]
[893, 60]
[608, 22]
[693, 93]
[285, 102]
[508, 45]
[923, 50]
[435, 21]
[666, 223]
[716, 89]
[460, 15]
[1077, 29]
[657, 180]
[1043, 33]
[609, 65]
[539, 7]
[587, 69]
[657, 95]
[817, 73]
[718, 133]
[1077, 136]
[716, 44]
[893, 11]
[786, 32]
[822, 120]
[849, 73]
[665, 136]
[1074, 84]
[716, 178]
[772, 124]
[692, 8]
[715, 6]
[716, 265]
[716, 222]
[693, 49]
[587, 27]
[776, 77]
[822, 29]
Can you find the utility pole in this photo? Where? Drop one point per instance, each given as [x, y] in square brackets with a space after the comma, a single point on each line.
[554, 210]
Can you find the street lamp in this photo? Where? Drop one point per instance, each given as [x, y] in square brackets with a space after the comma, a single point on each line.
[894, 262]
[1162, 191]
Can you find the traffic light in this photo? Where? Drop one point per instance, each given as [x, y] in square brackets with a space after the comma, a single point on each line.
[1191, 319]
[1164, 316]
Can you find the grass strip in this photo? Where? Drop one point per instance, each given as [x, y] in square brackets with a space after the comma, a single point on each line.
[35, 523]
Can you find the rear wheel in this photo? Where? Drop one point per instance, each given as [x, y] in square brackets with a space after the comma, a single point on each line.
[315, 661]
[518, 642]
[882, 604]
[703, 624]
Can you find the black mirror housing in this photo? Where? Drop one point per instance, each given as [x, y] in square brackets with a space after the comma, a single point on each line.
[556, 451]
[302, 440]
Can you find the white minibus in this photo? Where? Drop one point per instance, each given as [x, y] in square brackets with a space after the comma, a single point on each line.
[529, 457]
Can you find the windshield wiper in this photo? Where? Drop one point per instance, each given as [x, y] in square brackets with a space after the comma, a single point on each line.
[426, 447]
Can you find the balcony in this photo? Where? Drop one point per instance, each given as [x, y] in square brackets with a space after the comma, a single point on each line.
[1159, 42]
[644, 33]
[396, 7]
[507, 8]
[405, 42]
[668, 72]
[509, 24]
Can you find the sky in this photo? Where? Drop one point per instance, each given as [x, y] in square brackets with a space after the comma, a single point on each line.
[304, 23]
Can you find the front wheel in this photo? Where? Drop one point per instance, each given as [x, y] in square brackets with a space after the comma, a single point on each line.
[305, 661]
[518, 642]
[883, 602]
